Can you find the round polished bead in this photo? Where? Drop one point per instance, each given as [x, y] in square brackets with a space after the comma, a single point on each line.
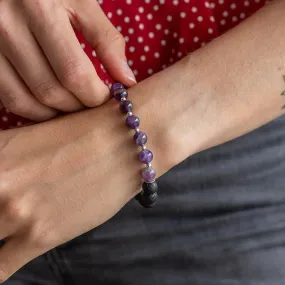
[150, 199]
[118, 94]
[147, 201]
[140, 138]
[126, 106]
[117, 86]
[149, 188]
[132, 121]
[148, 174]
[145, 156]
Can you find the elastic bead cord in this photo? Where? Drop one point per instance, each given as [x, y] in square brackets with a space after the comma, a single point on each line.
[148, 196]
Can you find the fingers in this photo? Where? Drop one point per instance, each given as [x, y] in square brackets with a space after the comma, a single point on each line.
[14, 254]
[23, 52]
[17, 98]
[50, 25]
[105, 39]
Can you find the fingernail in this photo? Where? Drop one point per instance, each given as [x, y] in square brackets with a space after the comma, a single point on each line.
[128, 72]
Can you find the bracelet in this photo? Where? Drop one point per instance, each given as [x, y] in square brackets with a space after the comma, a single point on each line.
[148, 196]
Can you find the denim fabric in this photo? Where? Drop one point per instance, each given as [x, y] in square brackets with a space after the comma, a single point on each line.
[220, 220]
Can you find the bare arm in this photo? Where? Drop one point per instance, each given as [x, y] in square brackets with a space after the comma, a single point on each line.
[224, 90]
[64, 177]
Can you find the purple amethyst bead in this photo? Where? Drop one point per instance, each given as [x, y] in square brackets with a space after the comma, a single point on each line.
[148, 174]
[145, 156]
[118, 94]
[126, 106]
[117, 86]
[140, 138]
[132, 121]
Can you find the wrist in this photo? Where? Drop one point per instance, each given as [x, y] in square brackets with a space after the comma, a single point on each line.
[170, 104]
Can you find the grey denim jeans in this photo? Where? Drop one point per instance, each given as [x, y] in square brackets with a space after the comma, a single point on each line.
[220, 220]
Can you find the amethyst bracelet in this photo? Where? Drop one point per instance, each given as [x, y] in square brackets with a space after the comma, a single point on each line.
[148, 196]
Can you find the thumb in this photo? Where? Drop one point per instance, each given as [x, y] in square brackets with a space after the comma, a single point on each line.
[88, 17]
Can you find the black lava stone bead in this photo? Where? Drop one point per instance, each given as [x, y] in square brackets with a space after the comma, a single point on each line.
[147, 201]
[149, 188]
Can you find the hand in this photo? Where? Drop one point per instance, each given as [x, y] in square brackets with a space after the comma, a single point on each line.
[43, 68]
[62, 178]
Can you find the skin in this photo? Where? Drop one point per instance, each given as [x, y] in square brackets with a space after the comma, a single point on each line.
[66, 176]
[61, 76]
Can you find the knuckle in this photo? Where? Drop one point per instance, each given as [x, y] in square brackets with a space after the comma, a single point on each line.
[3, 26]
[46, 5]
[46, 92]
[40, 12]
[119, 39]
[26, 4]
[74, 75]
[113, 36]
[4, 185]
[15, 212]
[40, 7]
[11, 102]
[4, 22]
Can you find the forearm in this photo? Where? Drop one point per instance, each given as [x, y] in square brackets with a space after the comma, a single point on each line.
[228, 88]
